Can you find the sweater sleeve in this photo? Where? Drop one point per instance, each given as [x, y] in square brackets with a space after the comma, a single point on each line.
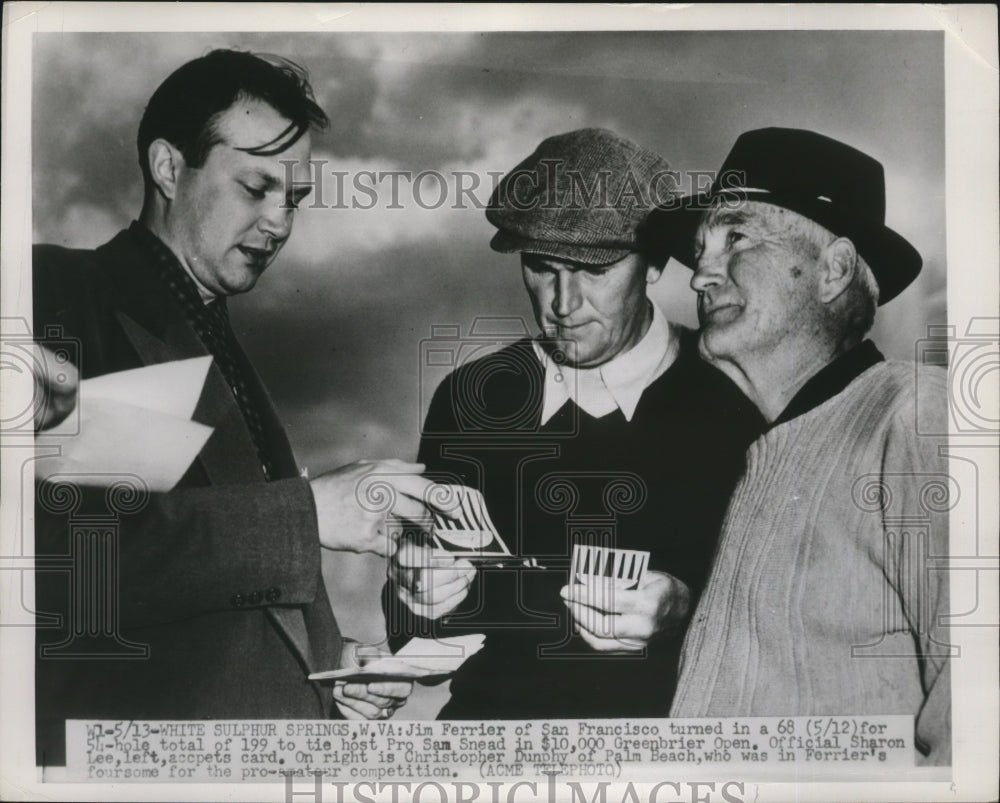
[916, 466]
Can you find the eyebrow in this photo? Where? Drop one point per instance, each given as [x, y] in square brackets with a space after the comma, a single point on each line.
[540, 261]
[269, 181]
[729, 218]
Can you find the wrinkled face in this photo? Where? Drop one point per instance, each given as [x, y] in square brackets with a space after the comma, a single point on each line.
[230, 217]
[756, 283]
[599, 310]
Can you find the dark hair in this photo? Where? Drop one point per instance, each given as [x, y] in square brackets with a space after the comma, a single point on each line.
[185, 107]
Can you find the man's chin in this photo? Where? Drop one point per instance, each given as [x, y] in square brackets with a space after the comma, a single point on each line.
[241, 282]
[564, 350]
[712, 343]
[584, 359]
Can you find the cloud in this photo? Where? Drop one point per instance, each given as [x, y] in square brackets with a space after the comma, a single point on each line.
[333, 433]
[473, 104]
[373, 204]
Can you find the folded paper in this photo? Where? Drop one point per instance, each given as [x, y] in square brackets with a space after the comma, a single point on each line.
[131, 422]
[419, 658]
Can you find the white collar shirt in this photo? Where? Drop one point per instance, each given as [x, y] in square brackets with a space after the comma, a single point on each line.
[617, 384]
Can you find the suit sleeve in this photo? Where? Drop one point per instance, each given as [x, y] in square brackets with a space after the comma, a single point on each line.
[206, 549]
[916, 466]
[197, 550]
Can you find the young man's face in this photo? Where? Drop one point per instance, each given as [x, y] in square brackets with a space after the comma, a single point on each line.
[756, 283]
[598, 310]
[230, 217]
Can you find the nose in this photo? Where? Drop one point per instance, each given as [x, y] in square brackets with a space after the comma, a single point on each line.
[710, 272]
[277, 222]
[567, 296]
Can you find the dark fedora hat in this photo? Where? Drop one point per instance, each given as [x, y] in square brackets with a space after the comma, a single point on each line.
[822, 179]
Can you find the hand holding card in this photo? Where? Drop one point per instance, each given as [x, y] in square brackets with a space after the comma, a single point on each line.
[468, 532]
[468, 526]
[622, 568]
[419, 659]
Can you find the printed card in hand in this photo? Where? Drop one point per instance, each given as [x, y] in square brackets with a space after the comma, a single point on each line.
[620, 568]
[467, 530]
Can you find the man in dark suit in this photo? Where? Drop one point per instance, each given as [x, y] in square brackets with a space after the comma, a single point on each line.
[211, 603]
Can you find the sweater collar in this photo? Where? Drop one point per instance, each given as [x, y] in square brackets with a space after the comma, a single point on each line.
[831, 380]
[618, 383]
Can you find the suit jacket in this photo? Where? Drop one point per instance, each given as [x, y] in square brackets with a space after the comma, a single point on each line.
[217, 607]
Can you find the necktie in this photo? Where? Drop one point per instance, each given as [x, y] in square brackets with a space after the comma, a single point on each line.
[218, 337]
[211, 322]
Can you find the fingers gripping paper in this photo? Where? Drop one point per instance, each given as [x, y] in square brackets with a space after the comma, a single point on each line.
[131, 422]
[468, 526]
[463, 529]
[418, 658]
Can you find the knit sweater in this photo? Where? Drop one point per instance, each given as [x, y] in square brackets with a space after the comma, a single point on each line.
[659, 482]
[822, 599]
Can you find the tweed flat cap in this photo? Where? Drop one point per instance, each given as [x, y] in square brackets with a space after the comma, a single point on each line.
[580, 196]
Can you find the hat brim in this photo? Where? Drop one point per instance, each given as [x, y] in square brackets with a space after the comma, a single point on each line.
[507, 242]
[892, 259]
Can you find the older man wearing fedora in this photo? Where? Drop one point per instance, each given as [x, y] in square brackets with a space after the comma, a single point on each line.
[606, 429]
[824, 597]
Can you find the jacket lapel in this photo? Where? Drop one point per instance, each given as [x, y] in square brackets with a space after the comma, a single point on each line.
[157, 330]
[229, 456]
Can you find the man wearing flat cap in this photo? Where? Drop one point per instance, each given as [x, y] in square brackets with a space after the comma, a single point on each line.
[827, 596]
[606, 430]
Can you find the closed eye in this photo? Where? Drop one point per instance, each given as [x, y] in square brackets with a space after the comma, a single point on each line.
[537, 266]
[257, 193]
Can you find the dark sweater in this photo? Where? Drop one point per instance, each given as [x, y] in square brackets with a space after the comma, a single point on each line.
[659, 482]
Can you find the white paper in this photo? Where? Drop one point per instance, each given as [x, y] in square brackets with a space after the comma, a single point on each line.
[170, 387]
[131, 422]
[419, 658]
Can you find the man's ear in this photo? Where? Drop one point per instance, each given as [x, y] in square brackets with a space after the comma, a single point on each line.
[165, 164]
[653, 273]
[838, 264]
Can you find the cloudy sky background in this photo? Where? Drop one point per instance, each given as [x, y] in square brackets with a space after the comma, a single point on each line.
[335, 327]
